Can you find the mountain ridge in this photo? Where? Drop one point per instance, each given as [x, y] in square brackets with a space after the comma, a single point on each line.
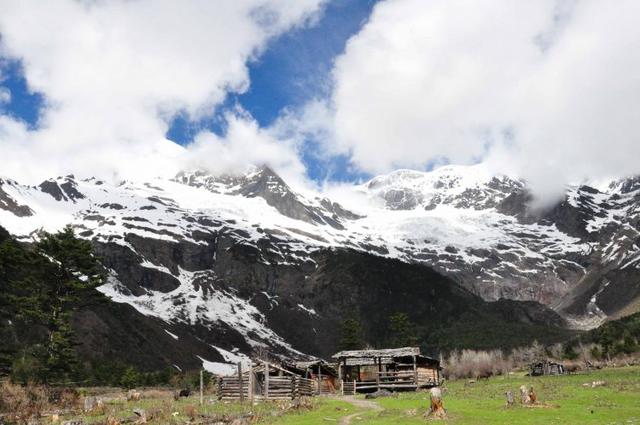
[174, 246]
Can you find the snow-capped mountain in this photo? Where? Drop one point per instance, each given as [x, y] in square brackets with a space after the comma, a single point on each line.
[241, 259]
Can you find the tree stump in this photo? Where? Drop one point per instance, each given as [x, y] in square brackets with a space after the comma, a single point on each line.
[533, 397]
[510, 399]
[524, 395]
[436, 411]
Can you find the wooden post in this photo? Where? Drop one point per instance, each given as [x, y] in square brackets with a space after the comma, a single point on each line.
[319, 379]
[240, 382]
[251, 383]
[345, 366]
[293, 387]
[415, 371]
[340, 377]
[266, 380]
[201, 389]
[379, 361]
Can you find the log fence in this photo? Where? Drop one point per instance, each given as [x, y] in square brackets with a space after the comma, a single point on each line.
[252, 385]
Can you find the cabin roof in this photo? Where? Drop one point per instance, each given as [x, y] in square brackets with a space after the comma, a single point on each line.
[386, 352]
[318, 364]
[545, 362]
[304, 365]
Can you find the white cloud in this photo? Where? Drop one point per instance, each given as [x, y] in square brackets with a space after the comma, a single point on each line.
[5, 95]
[114, 73]
[546, 89]
[245, 143]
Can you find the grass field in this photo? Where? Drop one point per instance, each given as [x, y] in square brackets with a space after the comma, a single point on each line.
[164, 410]
[562, 400]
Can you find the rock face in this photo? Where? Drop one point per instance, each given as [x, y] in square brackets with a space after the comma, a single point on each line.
[211, 267]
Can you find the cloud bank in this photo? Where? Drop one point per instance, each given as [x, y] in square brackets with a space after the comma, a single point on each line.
[548, 90]
[115, 73]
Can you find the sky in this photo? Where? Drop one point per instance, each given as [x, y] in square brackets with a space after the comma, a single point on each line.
[326, 92]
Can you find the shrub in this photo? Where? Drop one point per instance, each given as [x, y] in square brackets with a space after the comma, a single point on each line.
[475, 364]
[25, 369]
[22, 403]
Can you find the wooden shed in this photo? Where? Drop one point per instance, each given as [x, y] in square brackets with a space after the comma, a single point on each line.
[541, 368]
[322, 373]
[265, 381]
[393, 369]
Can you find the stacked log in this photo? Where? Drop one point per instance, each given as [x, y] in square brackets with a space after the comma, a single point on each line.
[233, 388]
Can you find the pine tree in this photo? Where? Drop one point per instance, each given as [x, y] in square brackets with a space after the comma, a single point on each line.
[40, 288]
[73, 272]
[402, 332]
[351, 335]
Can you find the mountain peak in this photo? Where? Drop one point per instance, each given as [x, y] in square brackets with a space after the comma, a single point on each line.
[458, 185]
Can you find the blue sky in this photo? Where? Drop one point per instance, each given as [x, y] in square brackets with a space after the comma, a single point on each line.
[24, 104]
[294, 68]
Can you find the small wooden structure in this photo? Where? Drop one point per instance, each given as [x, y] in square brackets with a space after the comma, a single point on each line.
[322, 373]
[264, 381]
[391, 369]
[546, 367]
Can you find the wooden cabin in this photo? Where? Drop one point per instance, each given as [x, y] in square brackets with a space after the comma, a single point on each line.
[541, 368]
[392, 369]
[322, 373]
[265, 381]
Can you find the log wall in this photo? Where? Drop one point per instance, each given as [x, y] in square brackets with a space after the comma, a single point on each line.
[286, 387]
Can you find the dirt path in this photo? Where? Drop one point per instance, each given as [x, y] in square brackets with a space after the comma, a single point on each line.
[364, 405]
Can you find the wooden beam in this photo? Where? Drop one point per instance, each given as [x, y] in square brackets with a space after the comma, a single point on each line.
[240, 381]
[266, 380]
[251, 383]
[379, 361]
[415, 371]
[201, 389]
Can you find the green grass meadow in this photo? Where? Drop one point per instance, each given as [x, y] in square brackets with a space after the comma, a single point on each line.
[562, 400]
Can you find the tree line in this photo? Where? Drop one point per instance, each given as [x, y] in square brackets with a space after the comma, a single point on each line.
[612, 339]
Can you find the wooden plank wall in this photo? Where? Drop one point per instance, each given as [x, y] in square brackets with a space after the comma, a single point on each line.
[286, 387]
[229, 388]
[427, 376]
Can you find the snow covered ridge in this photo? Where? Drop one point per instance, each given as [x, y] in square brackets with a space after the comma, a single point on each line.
[461, 186]
[462, 221]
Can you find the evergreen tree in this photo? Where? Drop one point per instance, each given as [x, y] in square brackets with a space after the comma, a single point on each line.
[40, 288]
[402, 332]
[351, 335]
[72, 272]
